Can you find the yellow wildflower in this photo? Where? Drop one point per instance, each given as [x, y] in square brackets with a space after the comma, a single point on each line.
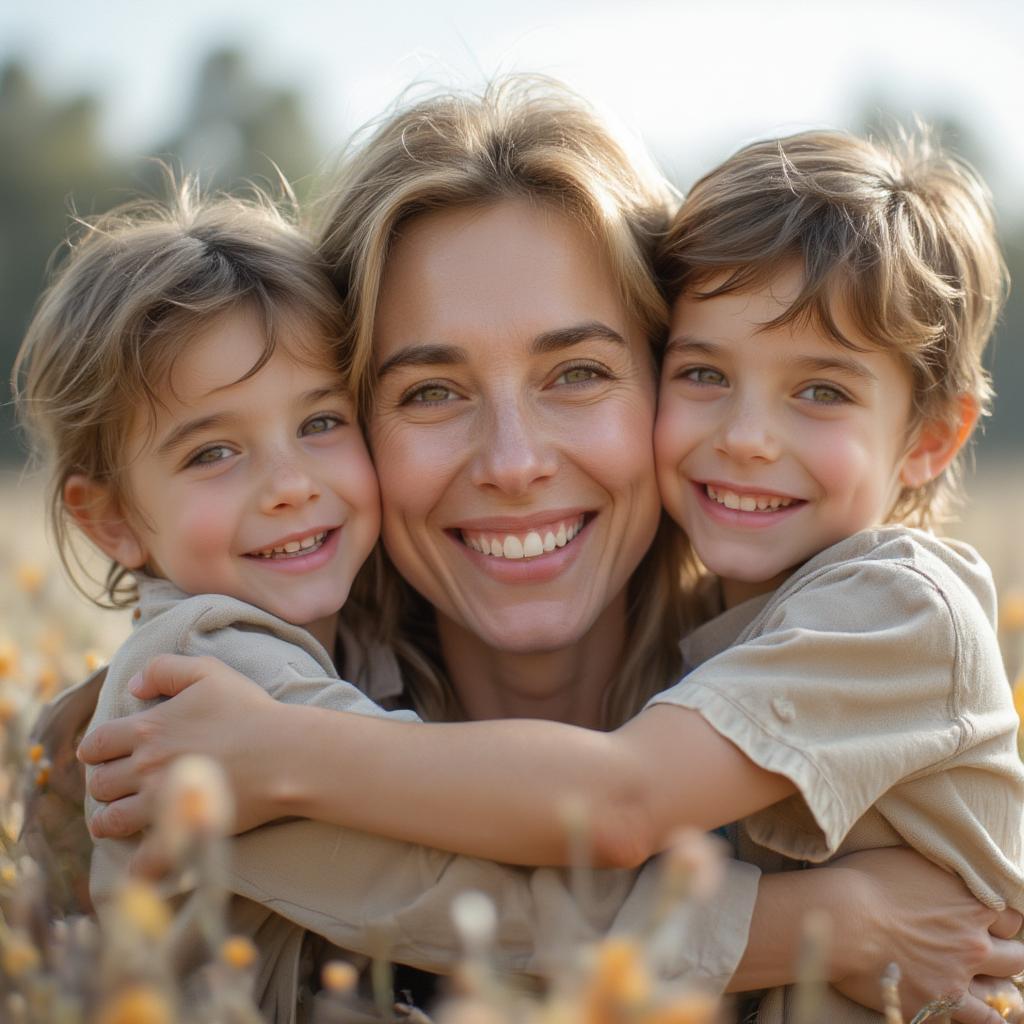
[239, 952]
[619, 984]
[93, 660]
[1011, 610]
[30, 577]
[339, 976]
[36, 752]
[140, 1004]
[19, 956]
[8, 709]
[139, 904]
[43, 775]
[1018, 695]
[47, 682]
[8, 659]
[1006, 1003]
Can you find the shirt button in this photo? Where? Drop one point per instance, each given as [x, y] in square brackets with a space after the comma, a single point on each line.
[784, 709]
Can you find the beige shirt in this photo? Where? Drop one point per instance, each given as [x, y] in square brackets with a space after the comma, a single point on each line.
[365, 893]
[872, 679]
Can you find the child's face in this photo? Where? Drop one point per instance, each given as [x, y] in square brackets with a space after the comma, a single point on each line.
[260, 489]
[772, 445]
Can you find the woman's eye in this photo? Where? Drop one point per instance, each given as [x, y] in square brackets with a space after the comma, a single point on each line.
[429, 394]
[578, 375]
[823, 394]
[705, 375]
[321, 424]
[208, 456]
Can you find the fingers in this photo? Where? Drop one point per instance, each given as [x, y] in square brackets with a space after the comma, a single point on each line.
[113, 780]
[168, 674]
[1005, 960]
[150, 861]
[108, 742]
[121, 819]
[1007, 924]
[974, 1011]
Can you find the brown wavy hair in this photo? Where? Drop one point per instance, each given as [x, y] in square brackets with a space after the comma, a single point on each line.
[899, 232]
[522, 138]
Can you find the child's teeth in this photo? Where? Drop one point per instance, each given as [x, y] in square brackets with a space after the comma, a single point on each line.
[528, 545]
[293, 546]
[747, 502]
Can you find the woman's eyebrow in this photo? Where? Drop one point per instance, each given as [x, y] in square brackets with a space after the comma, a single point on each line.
[423, 355]
[564, 337]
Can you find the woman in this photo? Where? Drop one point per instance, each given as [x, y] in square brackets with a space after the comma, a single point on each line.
[494, 259]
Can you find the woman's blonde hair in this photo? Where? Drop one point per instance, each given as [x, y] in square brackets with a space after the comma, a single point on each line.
[522, 139]
[899, 233]
[136, 285]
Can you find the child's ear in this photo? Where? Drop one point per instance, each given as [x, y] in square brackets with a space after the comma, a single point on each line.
[937, 444]
[99, 516]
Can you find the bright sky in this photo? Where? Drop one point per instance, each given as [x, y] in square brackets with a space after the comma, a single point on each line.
[694, 78]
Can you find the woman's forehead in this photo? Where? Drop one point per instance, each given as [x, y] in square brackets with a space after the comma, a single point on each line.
[512, 270]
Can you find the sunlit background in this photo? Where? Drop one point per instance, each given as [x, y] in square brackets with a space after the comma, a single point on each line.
[90, 88]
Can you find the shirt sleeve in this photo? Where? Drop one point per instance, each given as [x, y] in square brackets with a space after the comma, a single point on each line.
[847, 688]
[381, 897]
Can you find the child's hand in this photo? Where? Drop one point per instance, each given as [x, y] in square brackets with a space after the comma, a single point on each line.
[214, 711]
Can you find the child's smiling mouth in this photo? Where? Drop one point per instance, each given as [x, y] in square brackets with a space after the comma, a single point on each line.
[293, 548]
[748, 502]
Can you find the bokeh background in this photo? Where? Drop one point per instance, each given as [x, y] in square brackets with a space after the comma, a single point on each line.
[90, 89]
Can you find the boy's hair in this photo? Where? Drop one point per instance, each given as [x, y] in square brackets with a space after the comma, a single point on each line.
[523, 138]
[900, 233]
[137, 285]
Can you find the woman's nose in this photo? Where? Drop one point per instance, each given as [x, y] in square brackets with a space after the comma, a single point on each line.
[513, 451]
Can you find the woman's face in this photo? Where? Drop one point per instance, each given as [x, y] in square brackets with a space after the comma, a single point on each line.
[512, 428]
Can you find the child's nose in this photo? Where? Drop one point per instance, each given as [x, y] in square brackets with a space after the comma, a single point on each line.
[288, 485]
[748, 435]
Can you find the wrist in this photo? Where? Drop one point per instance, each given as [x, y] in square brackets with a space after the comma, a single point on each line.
[286, 791]
[851, 900]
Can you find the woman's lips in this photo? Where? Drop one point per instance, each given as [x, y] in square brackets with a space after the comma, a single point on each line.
[506, 558]
[530, 543]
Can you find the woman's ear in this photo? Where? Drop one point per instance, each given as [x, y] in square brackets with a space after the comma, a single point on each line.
[937, 444]
[99, 516]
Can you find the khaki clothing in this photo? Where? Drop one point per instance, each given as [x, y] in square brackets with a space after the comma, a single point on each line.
[873, 680]
[365, 893]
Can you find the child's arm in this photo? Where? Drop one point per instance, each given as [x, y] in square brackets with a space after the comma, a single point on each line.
[502, 789]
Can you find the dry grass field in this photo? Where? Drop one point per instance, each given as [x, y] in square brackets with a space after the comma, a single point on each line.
[65, 971]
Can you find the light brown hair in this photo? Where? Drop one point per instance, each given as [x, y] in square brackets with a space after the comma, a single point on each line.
[523, 138]
[135, 286]
[900, 233]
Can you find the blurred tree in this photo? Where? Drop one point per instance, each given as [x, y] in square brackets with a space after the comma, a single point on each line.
[53, 161]
[236, 129]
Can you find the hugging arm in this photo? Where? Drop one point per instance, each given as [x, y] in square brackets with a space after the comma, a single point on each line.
[899, 907]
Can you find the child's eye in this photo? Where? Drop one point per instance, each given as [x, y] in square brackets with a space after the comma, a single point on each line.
[823, 394]
[705, 375]
[208, 456]
[321, 424]
[429, 394]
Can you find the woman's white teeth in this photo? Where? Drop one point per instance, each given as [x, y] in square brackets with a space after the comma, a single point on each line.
[747, 502]
[294, 547]
[528, 545]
